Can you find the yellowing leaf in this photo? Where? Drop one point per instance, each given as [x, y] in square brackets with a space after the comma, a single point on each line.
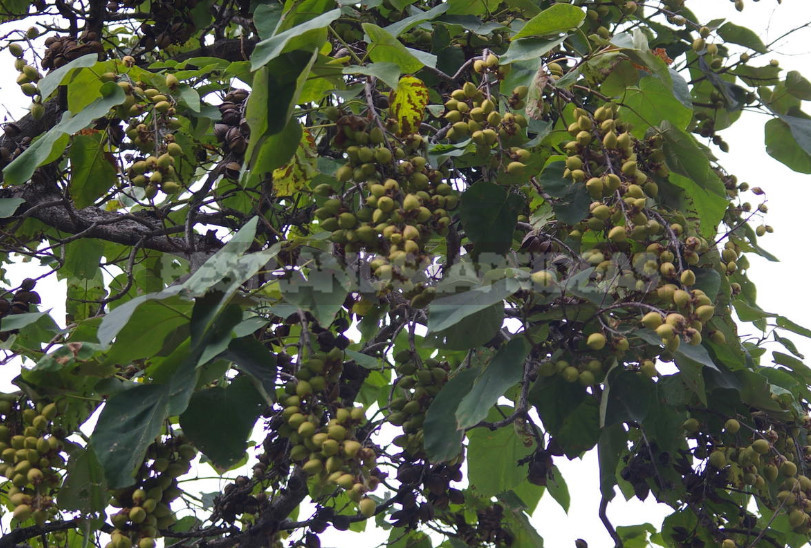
[408, 102]
[294, 175]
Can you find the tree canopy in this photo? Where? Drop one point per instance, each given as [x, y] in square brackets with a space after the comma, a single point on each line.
[396, 259]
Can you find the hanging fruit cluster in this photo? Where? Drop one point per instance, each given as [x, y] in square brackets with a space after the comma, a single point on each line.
[32, 458]
[145, 507]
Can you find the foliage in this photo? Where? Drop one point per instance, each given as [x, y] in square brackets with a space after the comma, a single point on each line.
[495, 233]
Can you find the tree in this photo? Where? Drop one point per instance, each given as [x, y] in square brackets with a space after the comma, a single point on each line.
[405, 239]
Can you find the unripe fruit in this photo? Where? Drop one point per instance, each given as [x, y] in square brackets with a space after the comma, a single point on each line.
[652, 320]
[596, 341]
[691, 425]
[22, 512]
[137, 514]
[762, 447]
[732, 426]
[704, 313]
[788, 468]
[15, 49]
[618, 234]
[688, 278]
[367, 507]
[681, 298]
[718, 459]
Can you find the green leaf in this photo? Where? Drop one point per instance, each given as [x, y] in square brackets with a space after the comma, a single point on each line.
[707, 205]
[219, 420]
[129, 422]
[627, 398]
[447, 311]
[800, 129]
[742, 36]
[254, 359]
[651, 104]
[275, 134]
[612, 443]
[553, 20]
[529, 48]
[504, 370]
[489, 213]
[472, 330]
[556, 486]
[401, 26]
[493, 457]
[55, 78]
[19, 321]
[364, 360]
[385, 48]
[306, 36]
[147, 329]
[572, 201]
[388, 73]
[84, 489]
[322, 294]
[783, 147]
[798, 86]
[570, 415]
[53, 142]
[442, 436]
[691, 361]
[93, 170]
[785, 323]
[8, 206]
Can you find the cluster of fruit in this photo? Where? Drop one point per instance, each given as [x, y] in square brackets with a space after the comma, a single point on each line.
[31, 458]
[404, 200]
[20, 302]
[150, 114]
[144, 508]
[233, 131]
[322, 432]
[767, 459]
[418, 382]
[473, 113]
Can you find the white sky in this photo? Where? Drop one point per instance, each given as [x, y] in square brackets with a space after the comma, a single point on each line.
[783, 287]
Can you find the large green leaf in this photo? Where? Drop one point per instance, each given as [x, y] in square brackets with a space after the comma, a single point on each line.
[406, 23]
[55, 78]
[627, 397]
[569, 414]
[493, 457]
[504, 370]
[489, 213]
[610, 447]
[800, 129]
[51, 145]
[388, 73]
[691, 361]
[129, 422]
[8, 206]
[84, 489]
[529, 48]
[219, 420]
[443, 438]
[471, 331]
[322, 293]
[652, 103]
[275, 134]
[448, 311]
[254, 359]
[742, 36]
[385, 48]
[783, 147]
[93, 171]
[554, 20]
[306, 36]
[571, 204]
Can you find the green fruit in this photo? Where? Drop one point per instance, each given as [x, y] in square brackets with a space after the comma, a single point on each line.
[732, 426]
[788, 468]
[618, 234]
[691, 425]
[762, 447]
[596, 341]
[367, 507]
[652, 320]
[137, 514]
[718, 459]
[543, 278]
[15, 49]
[23, 511]
[570, 374]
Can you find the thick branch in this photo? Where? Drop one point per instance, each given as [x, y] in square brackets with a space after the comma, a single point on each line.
[45, 203]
